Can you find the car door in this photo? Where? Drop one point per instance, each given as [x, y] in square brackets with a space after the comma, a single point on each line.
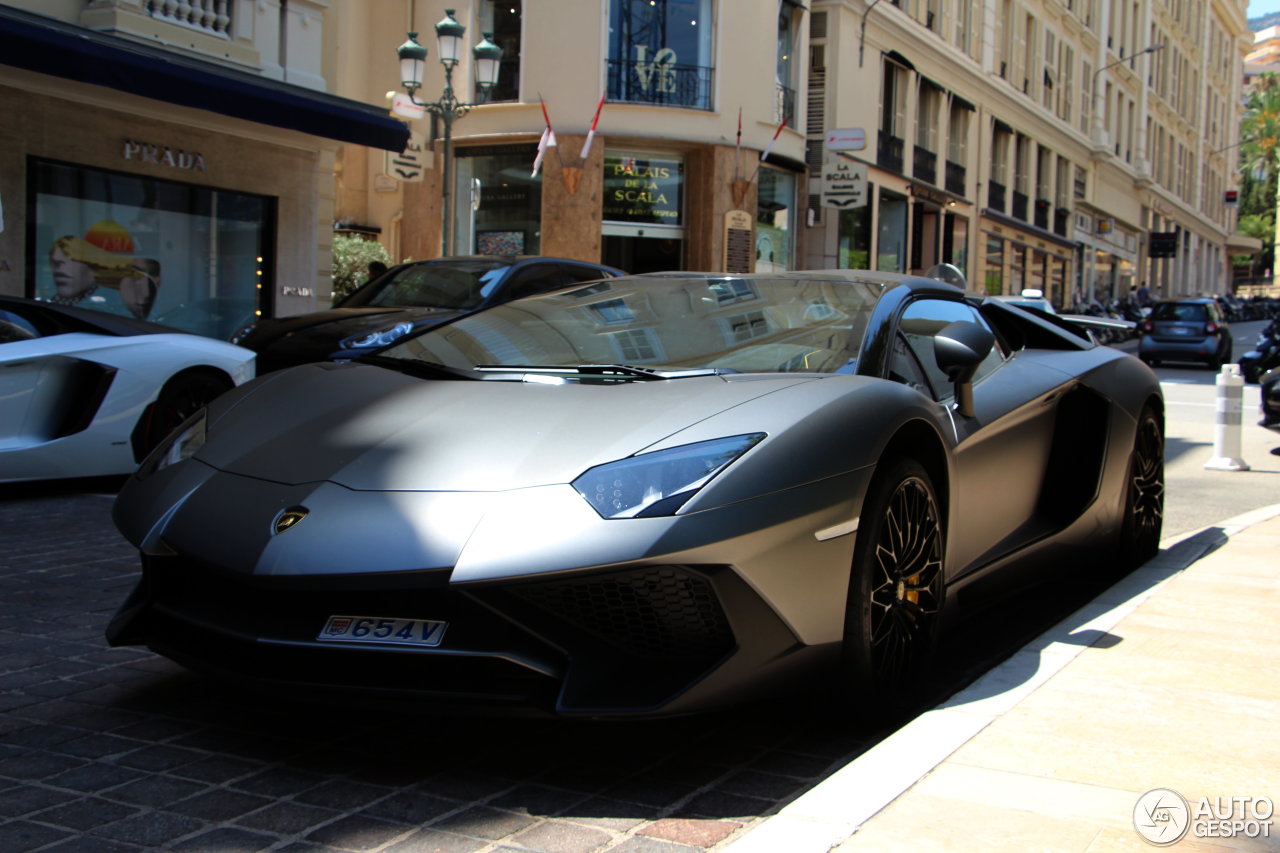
[1002, 452]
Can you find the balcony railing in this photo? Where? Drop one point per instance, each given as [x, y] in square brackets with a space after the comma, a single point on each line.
[924, 165]
[995, 196]
[784, 107]
[889, 151]
[955, 174]
[655, 83]
[212, 17]
[1019, 210]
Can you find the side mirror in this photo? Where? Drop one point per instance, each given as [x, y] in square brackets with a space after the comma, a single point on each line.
[959, 348]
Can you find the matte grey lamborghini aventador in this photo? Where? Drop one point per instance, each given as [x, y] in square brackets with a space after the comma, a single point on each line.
[645, 495]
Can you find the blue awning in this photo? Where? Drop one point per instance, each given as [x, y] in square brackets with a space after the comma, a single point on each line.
[48, 46]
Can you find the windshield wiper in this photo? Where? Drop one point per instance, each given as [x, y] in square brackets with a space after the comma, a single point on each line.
[604, 371]
[422, 369]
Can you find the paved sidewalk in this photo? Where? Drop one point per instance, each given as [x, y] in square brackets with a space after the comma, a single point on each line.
[1167, 681]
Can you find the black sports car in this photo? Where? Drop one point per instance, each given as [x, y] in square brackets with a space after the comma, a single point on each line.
[645, 495]
[405, 299]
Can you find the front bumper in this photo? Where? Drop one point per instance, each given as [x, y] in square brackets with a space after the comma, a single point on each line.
[645, 640]
[654, 616]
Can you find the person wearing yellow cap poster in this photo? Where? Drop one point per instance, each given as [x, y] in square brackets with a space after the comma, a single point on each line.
[83, 265]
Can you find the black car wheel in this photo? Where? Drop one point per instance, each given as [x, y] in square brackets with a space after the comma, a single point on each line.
[1144, 492]
[180, 398]
[896, 588]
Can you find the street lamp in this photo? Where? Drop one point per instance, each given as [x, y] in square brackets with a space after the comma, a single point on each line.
[1098, 96]
[447, 108]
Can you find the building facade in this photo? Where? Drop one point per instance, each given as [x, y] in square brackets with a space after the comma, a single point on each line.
[1078, 147]
[188, 144]
[694, 92]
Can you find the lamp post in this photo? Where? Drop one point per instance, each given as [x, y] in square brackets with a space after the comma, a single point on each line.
[1097, 95]
[447, 108]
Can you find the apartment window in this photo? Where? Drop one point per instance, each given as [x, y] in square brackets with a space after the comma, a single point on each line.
[660, 52]
[1048, 96]
[958, 134]
[785, 96]
[502, 18]
[928, 103]
[1066, 71]
[1086, 95]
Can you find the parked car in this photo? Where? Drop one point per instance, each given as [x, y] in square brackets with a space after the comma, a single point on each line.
[89, 394]
[1029, 298]
[409, 298]
[643, 496]
[1185, 330]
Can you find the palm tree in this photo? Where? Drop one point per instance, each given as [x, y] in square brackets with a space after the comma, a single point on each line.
[1260, 149]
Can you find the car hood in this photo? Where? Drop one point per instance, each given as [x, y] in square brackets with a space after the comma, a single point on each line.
[323, 330]
[371, 428]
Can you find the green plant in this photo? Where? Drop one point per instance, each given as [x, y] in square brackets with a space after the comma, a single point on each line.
[351, 258]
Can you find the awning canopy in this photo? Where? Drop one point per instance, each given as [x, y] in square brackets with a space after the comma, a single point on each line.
[1238, 244]
[48, 46]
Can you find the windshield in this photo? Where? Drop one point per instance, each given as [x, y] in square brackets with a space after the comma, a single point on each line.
[666, 322]
[1187, 312]
[460, 284]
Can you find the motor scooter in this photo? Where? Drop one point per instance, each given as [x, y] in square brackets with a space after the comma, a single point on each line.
[1265, 354]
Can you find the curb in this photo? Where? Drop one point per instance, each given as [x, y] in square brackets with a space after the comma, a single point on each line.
[829, 813]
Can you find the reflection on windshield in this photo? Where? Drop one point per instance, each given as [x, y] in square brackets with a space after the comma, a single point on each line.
[458, 285]
[666, 322]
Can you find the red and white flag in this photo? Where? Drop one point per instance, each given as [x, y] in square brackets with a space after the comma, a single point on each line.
[586, 146]
[548, 139]
[765, 153]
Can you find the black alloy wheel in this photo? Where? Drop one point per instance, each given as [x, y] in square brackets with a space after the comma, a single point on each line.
[1144, 492]
[179, 399]
[896, 589]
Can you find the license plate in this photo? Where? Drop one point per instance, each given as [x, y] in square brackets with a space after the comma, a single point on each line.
[1179, 330]
[374, 629]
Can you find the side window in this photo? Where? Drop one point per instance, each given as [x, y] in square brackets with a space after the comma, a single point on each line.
[536, 278]
[15, 327]
[575, 273]
[920, 322]
[904, 367]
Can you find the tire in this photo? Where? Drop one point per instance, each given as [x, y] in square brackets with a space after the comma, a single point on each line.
[180, 398]
[1144, 492]
[896, 591]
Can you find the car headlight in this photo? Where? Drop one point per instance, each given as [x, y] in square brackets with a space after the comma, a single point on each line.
[659, 483]
[380, 338]
[182, 444]
[243, 332]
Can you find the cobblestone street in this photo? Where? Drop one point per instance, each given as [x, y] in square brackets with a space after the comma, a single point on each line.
[114, 750]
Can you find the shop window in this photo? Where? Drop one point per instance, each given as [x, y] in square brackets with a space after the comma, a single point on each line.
[854, 249]
[502, 18]
[191, 257]
[775, 208]
[498, 205]
[955, 242]
[660, 52]
[891, 249]
[993, 267]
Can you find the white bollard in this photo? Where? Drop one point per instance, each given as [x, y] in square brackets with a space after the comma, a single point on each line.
[1226, 433]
